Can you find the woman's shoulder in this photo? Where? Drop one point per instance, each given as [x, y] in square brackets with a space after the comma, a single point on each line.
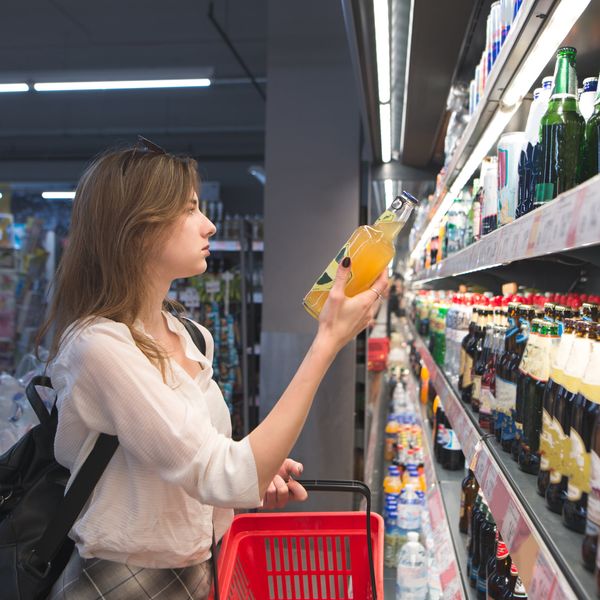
[93, 334]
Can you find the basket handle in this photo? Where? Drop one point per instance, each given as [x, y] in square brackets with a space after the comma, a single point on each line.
[347, 485]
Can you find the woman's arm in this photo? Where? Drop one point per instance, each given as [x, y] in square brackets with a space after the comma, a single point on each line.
[341, 319]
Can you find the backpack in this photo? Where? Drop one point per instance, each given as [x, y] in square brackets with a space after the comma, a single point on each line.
[35, 513]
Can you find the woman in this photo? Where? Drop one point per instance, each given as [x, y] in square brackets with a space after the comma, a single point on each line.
[124, 365]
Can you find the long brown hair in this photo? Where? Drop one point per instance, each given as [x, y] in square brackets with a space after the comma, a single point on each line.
[124, 202]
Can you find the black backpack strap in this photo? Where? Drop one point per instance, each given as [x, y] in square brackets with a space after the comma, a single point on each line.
[73, 502]
[39, 408]
[195, 334]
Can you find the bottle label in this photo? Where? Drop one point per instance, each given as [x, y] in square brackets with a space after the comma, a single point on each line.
[389, 216]
[564, 349]
[411, 581]
[468, 374]
[579, 468]
[593, 507]
[590, 384]
[563, 450]
[462, 504]
[452, 442]
[546, 441]
[325, 282]
[485, 407]
[463, 354]
[476, 394]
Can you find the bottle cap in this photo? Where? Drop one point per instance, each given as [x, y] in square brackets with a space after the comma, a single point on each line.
[547, 82]
[513, 569]
[412, 536]
[590, 84]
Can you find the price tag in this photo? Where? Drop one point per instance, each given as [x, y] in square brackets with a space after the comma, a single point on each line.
[533, 234]
[488, 485]
[475, 457]
[577, 204]
[510, 525]
[543, 582]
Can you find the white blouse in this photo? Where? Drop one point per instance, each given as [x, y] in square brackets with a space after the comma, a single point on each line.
[153, 506]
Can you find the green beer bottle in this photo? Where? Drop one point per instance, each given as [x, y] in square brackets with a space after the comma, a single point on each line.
[589, 166]
[561, 132]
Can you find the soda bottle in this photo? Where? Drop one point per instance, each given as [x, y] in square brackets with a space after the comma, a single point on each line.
[550, 436]
[371, 249]
[583, 417]
[574, 369]
[453, 458]
[468, 495]
[561, 132]
[499, 582]
[544, 350]
[589, 166]
[412, 580]
[590, 390]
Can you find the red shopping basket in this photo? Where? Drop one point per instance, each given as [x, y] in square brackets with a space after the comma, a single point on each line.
[308, 556]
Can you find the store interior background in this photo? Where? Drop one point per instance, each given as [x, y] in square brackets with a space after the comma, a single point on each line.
[312, 126]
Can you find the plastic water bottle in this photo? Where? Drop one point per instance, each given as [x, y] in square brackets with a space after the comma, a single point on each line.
[409, 512]
[411, 578]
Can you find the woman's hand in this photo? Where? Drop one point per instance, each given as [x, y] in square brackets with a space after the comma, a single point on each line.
[283, 488]
[343, 318]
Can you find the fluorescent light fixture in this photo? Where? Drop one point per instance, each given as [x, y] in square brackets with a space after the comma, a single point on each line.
[406, 74]
[388, 186]
[58, 195]
[136, 84]
[0, 195]
[6, 88]
[385, 122]
[495, 127]
[556, 29]
[382, 48]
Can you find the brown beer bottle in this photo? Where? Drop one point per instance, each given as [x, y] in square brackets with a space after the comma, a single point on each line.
[470, 487]
[499, 582]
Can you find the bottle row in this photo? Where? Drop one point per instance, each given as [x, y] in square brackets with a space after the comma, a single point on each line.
[530, 374]
[557, 150]
[229, 226]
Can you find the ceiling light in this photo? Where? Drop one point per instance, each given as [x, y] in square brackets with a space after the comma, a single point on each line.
[556, 29]
[6, 88]
[406, 74]
[0, 195]
[382, 48]
[136, 84]
[58, 195]
[488, 139]
[385, 123]
[388, 186]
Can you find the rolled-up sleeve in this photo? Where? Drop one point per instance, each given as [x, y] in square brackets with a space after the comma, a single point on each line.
[115, 389]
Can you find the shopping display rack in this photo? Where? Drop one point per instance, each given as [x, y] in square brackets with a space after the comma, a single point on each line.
[304, 555]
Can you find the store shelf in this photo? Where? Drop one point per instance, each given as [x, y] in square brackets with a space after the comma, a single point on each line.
[570, 222]
[233, 246]
[450, 556]
[531, 22]
[547, 555]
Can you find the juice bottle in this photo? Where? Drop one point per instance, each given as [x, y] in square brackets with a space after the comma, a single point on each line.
[371, 249]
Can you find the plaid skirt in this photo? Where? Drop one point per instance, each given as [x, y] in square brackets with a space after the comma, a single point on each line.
[98, 579]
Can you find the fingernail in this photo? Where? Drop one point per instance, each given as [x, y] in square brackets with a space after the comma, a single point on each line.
[346, 262]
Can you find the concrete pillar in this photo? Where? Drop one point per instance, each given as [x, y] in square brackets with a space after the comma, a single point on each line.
[312, 198]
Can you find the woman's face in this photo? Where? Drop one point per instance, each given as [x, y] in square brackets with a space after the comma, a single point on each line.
[186, 246]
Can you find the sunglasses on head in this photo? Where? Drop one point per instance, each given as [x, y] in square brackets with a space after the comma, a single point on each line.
[142, 146]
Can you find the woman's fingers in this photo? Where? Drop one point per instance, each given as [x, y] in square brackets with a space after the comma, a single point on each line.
[297, 491]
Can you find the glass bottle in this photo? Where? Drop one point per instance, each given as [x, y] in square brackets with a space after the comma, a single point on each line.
[487, 548]
[561, 132]
[583, 417]
[499, 582]
[469, 490]
[589, 166]
[479, 359]
[371, 249]
[529, 456]
[574, 369]
[590, 389]
[506, 384]
[467, 380]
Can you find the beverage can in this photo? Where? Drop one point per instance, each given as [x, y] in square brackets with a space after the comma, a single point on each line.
[489, 210]
[509, 150]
